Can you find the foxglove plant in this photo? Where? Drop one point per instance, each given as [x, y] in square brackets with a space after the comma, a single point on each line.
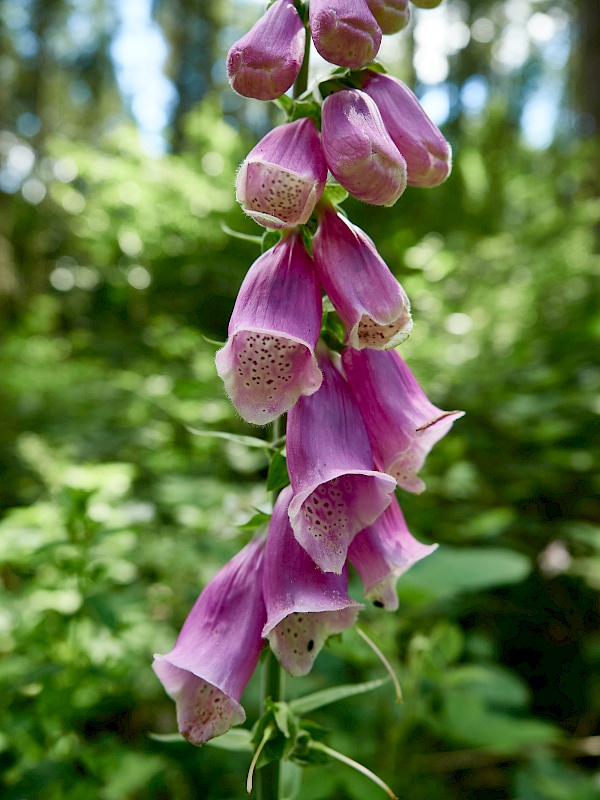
[358, 423]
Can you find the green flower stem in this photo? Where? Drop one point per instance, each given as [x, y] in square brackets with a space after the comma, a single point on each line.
[301, 83]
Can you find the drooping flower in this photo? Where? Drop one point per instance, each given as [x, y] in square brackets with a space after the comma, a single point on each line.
[269, 361]
[403, 425]
[217, 649]
[283, 177]
[344, 32]
[304, 604]
[337, 492]
[359, 150]
[391, 15]
[368, 298]
[265, 62]
[427, 153]
[382, 553]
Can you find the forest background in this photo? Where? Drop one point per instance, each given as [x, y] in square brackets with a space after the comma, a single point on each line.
[119, 141]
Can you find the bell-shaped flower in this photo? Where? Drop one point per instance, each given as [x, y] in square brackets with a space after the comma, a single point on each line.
[368, 298]
[391, 15]
[304, 604]
[269, 360]
[344, 32]
[283, 177]
[217, 649]
[403, 425]
[266, 61]
[382, 553]
[359, 150]
[427, 153]
[337, 491]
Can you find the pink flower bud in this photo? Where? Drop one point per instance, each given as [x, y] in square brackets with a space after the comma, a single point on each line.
[369, 300]
[337, 492]
[304, 604]
[283, 177]
[269, 361]
[427, 153]
[403, 425]
[391, 15]
[266, 61]
[217, 649]
[358, 149]
[345, 32]
[382, 553]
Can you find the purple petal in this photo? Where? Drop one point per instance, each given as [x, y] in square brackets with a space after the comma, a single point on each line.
[427, 153]
[336, 490]
[359, 150]
[344, 32]
[383, 552]
[304, 604]
[369, 300]
[283, 177]
[268, 361]
[217, 649]
[403, 425]
[266, 61]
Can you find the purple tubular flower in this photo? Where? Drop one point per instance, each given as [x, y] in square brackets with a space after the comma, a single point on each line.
[370, 301]
[269, 361]
[382, 553]
[403, 425]
[283, 177]
[336, 490]
[217, 649]
[391, 15]
[427, 153]
[345, 32]
[359, 150]
[304, 604]
[266, 61]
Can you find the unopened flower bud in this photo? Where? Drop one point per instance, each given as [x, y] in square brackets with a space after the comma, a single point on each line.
[283, 177]
[265, 62]
[345, 32]
[427, 153]
[358, 149]
[391, 15]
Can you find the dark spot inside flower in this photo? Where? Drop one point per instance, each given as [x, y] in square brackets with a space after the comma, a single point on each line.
[310, 645]
[378, 603]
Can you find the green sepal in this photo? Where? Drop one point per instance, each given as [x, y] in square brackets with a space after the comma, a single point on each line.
[332, 85]
[257, 521]
[306, 108]
[245, 237]
[311, 702]
[333, 331]
[283, 726]
[269, 239]
[334, 193]
[277, 476]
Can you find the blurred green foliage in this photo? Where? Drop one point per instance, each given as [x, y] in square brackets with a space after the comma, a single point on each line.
[114, 285]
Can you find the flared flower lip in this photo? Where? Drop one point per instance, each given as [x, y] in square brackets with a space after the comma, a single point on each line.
[268, 220]
[299, 498]
[343, 603]
[445, 416]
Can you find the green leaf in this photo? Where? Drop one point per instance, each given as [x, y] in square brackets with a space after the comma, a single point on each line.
[247, 441]
[285, 103]
[167, 737]
[310, 702]
[238, 740]
[257, 521]
[269, 239]
[214, 341]
[245, 237]
[277, 477]
[335, 193]
[291, 780]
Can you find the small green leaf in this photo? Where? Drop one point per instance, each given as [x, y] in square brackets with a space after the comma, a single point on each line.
[302, 705]
[335, 193]
[306, 108]
[285, 103]
[257, 521]
[246, 237]
[269, 239]
[237, 740]
[277, 477]
[213, 341]
[247, 441]
[167, 737]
